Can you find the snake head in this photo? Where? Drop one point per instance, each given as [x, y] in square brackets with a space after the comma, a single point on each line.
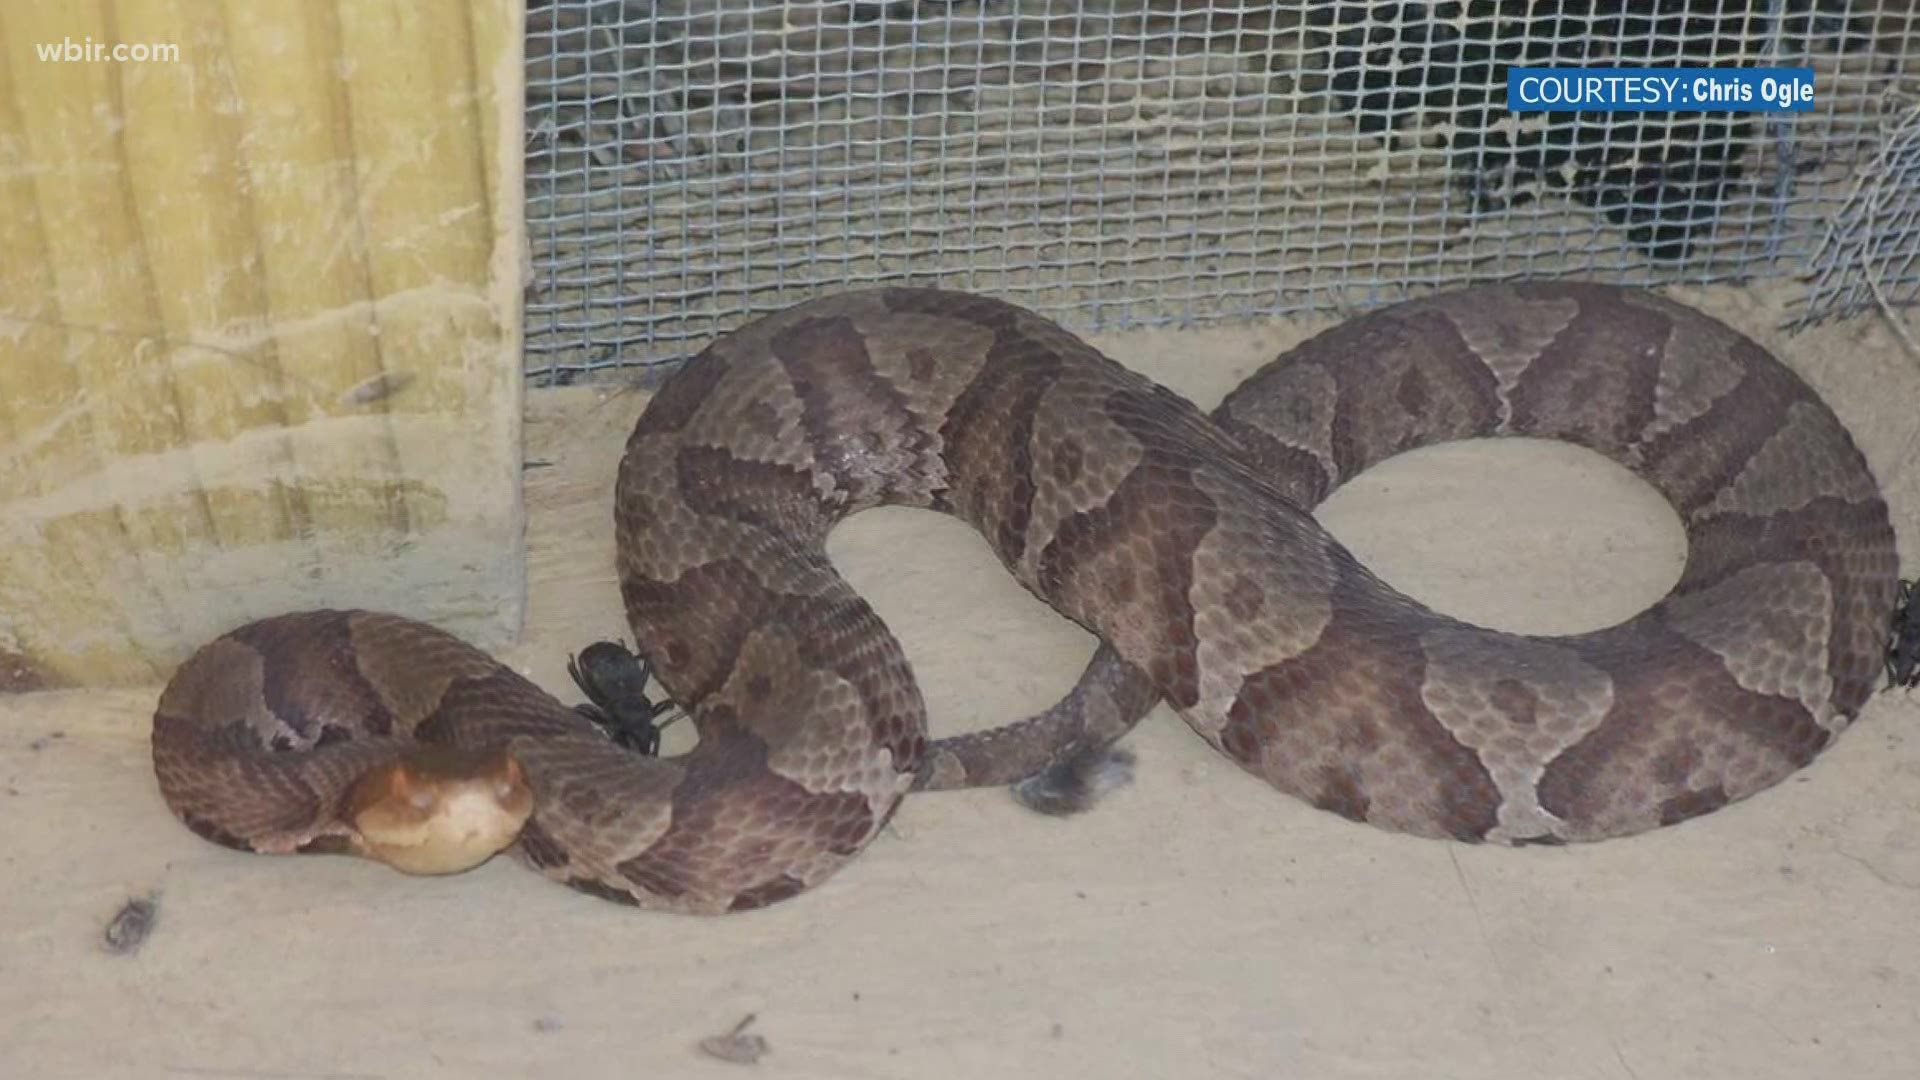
[439, 809]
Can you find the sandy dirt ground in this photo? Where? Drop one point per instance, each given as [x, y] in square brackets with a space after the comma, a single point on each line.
[1197, 924]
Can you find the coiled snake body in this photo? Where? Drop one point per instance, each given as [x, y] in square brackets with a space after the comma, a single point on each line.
[1184, 542]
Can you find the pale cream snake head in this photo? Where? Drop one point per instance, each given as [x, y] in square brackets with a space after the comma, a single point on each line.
[438, 810]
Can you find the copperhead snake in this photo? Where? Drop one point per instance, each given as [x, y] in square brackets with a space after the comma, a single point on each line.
[1182, 541]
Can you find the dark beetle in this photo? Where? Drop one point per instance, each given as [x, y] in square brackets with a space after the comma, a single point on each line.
[1903, 648]
[615, 680]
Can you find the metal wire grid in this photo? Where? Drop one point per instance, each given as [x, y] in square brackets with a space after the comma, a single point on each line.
[1135, 162]
[1869, 256]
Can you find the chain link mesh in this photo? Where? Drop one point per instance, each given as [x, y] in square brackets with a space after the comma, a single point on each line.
[1116, 163]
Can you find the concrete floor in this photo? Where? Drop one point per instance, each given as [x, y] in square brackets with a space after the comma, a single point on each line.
[1197, 924]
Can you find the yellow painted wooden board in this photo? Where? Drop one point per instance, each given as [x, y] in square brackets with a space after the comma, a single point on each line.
[259, 322]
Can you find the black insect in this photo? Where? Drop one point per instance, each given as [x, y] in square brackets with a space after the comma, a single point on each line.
[1903, 647]
[615, 680]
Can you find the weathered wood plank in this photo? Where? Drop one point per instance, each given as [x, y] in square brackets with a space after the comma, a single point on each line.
[259, 328]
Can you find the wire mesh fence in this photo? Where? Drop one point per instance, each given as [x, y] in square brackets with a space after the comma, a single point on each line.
[1114, 163]
[1869, 256]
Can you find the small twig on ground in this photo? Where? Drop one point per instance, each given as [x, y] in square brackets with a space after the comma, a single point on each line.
[736, 1046]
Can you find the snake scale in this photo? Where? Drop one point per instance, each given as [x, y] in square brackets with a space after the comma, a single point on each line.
[1182, 540]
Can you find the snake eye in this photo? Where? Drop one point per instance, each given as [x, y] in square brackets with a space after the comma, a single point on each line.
[502, 789]
[421, 799]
